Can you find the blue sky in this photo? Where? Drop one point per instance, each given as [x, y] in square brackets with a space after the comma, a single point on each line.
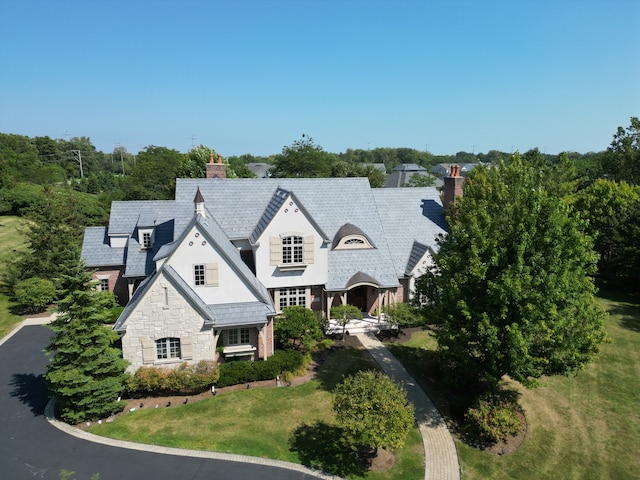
[249, 76]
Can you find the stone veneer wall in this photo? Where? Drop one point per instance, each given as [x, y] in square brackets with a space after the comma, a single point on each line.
[161, 315]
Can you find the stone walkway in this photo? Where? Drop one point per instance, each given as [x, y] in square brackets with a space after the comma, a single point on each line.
[441, 457]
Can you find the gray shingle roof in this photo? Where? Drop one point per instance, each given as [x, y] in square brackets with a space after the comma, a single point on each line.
[409, 215]
[125, 216]
[96, 251]
[238, 205]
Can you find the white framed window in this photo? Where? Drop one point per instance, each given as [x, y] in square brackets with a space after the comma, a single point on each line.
[167, 348]
[146, 239]
[104, 285]
[290, 297]
[205, 274]
[239, 336]
[199, 275]
[292, 249]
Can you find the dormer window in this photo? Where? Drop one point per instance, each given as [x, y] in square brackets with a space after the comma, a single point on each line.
[351, 237]
[145, 237]
[146, 240]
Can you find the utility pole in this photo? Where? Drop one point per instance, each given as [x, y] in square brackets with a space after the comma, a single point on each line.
[119, 147]
[79, 160]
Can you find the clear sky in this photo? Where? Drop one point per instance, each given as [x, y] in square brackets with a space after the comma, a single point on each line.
[251, 76]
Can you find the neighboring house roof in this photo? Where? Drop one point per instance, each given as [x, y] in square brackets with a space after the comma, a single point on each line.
[402, 173]
[422, 222]
[260, 170]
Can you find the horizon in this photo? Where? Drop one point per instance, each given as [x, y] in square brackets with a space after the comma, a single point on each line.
[251, 77]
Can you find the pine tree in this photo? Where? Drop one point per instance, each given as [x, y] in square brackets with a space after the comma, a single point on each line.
[86, 374]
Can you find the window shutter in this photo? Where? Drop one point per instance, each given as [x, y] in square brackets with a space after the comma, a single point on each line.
[308, 249]
[275, 246]
[186, 348]
[149, 354]
[211, 274]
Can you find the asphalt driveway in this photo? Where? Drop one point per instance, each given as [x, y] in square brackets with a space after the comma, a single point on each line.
[31, 448]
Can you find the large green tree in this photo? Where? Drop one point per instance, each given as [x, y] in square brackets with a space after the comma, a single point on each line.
[622, 160]
[511, 287]
[304, 158]
[611, 212]
[86, 374]
[154, 175]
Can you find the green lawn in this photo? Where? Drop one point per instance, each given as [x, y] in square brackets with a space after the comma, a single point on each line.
[292, 424]
[584, 427]
[10, 241]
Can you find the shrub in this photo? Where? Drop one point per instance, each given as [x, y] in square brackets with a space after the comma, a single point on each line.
[297, 328]
[403, 315]
[233, 373]
[495, 417]
[35, 293]
[186, 379]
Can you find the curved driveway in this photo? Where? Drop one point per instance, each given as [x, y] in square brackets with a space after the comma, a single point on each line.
[31, 448]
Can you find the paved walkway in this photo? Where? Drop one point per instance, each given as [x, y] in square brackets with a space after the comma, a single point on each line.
[441, 457]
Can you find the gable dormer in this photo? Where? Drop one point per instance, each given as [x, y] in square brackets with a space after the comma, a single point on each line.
[146, 237]
[288, 242]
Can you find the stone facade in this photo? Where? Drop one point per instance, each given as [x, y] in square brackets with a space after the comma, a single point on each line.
[165, 313]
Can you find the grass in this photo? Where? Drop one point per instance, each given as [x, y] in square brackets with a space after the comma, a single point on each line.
[291, 424]
[583, 427]
[11, 241]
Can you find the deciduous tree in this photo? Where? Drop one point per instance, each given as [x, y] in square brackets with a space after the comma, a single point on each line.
[303, 159]
[373, 410]
[511, 287]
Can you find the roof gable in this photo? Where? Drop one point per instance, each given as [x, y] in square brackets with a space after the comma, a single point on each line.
[281, 200]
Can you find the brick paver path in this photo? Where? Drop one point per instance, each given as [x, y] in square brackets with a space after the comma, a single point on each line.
[441, 458]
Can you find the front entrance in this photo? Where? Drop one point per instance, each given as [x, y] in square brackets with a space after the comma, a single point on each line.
[358, 297]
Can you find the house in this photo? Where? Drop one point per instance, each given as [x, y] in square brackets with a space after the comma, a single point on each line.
[402, 173]
[205, 274]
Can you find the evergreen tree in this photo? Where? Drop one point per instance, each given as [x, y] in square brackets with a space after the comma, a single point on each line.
[511, 286]
[86, 374]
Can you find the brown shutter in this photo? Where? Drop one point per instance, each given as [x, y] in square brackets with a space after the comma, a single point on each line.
[308, 250]
[211, 274]
[275, 250]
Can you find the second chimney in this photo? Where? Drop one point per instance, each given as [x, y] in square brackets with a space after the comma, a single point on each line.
[452, 187]
[216, 170]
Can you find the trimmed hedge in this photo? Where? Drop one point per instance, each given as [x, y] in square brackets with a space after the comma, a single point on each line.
[233, 373]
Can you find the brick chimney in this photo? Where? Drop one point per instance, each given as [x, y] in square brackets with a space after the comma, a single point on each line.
[216, 170]
[452, 187]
